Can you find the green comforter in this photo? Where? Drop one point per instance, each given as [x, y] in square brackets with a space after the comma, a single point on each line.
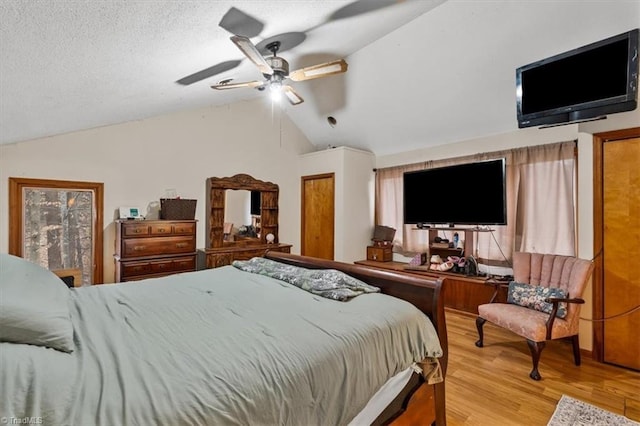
[214, 347]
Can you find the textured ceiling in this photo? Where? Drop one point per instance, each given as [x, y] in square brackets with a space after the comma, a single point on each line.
[70, 64]
[421, 72]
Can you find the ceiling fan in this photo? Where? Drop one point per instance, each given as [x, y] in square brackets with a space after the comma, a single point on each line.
[276, 70]
[240, 23]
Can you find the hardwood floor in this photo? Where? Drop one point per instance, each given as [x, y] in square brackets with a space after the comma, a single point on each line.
[491, 385]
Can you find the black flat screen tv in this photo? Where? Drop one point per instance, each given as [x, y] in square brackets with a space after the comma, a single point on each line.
[582, 84]
[464, 194]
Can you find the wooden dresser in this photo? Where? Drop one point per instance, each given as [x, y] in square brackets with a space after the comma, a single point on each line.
[154, 248]
[460, 292]
[218, 251]
[214, 258]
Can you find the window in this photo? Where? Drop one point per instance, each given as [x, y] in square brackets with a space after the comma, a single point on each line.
[57, 224]
[541, 193]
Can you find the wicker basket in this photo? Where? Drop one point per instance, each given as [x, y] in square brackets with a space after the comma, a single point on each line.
[177, 209]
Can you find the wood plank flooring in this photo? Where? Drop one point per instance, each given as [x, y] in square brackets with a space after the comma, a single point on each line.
[491, 385]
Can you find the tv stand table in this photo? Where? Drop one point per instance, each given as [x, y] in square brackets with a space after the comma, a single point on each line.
[460, 292]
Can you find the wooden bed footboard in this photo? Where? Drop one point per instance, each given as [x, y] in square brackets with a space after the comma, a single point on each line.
[423, 293]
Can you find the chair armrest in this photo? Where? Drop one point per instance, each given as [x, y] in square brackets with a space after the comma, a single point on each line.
[497, 285]
[555, 300]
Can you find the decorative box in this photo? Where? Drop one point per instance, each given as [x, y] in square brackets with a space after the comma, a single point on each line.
[383, 236]
[380, 254]
[418, 259]
[177, 209]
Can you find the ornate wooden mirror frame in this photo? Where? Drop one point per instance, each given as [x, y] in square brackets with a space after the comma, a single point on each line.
[216, 190]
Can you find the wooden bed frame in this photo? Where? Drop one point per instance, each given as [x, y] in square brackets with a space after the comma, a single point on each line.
[425, 295]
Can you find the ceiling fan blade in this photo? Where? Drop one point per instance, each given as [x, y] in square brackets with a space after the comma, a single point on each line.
[360, 7]
[320, 70]
[291, 95]
[225, 86]
[240, 23]
[251, 52]
[209, 72]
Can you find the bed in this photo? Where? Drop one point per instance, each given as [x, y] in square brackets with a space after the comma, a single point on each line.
[219, 346]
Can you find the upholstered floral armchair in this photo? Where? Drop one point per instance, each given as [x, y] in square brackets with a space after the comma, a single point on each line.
[544, 301]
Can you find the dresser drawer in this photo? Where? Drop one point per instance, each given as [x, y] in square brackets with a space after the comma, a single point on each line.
[161, 266]
[138, 247]
[155, 268]
[135, 229]
[184, 228]
[135, 268]
[182, 264]
[218, 260]
[248, 254]
[160, 229]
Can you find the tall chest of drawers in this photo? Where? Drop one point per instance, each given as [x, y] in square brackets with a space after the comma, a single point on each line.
[154, 248]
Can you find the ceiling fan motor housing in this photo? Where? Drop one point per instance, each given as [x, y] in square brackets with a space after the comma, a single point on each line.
[279, 65]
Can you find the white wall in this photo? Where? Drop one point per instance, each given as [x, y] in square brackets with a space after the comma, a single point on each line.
[354, 197]
[583, 133]
[138, 161]
[359, 203]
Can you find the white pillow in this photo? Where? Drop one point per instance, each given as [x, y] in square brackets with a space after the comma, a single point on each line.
[33, 305]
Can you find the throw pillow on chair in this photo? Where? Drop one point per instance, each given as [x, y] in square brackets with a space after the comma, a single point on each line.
[534, 297]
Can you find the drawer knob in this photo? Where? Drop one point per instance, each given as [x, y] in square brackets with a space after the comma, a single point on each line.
[139, 248]
[137, 230]
[181, 245]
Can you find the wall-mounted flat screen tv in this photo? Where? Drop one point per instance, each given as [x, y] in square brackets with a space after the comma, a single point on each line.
[582, 84]
[464, 194]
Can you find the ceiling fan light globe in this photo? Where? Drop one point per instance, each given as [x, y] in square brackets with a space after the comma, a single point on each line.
[275, 94]
[275, 90]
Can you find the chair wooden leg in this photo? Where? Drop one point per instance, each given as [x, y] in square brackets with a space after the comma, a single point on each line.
[479, 323]
[535, 348]
[575, 341]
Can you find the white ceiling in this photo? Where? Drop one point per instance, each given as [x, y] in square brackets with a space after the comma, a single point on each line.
[421, 73]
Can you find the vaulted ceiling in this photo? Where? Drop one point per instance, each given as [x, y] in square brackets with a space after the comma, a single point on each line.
[421, 73]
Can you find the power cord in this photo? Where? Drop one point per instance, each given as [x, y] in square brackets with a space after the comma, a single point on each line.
[501, 252]
[629, 312]
[598, 254]
[622, 314]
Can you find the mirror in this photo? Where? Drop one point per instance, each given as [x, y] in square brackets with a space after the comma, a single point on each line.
[241, 215]
[237, 207]
[241, 200]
